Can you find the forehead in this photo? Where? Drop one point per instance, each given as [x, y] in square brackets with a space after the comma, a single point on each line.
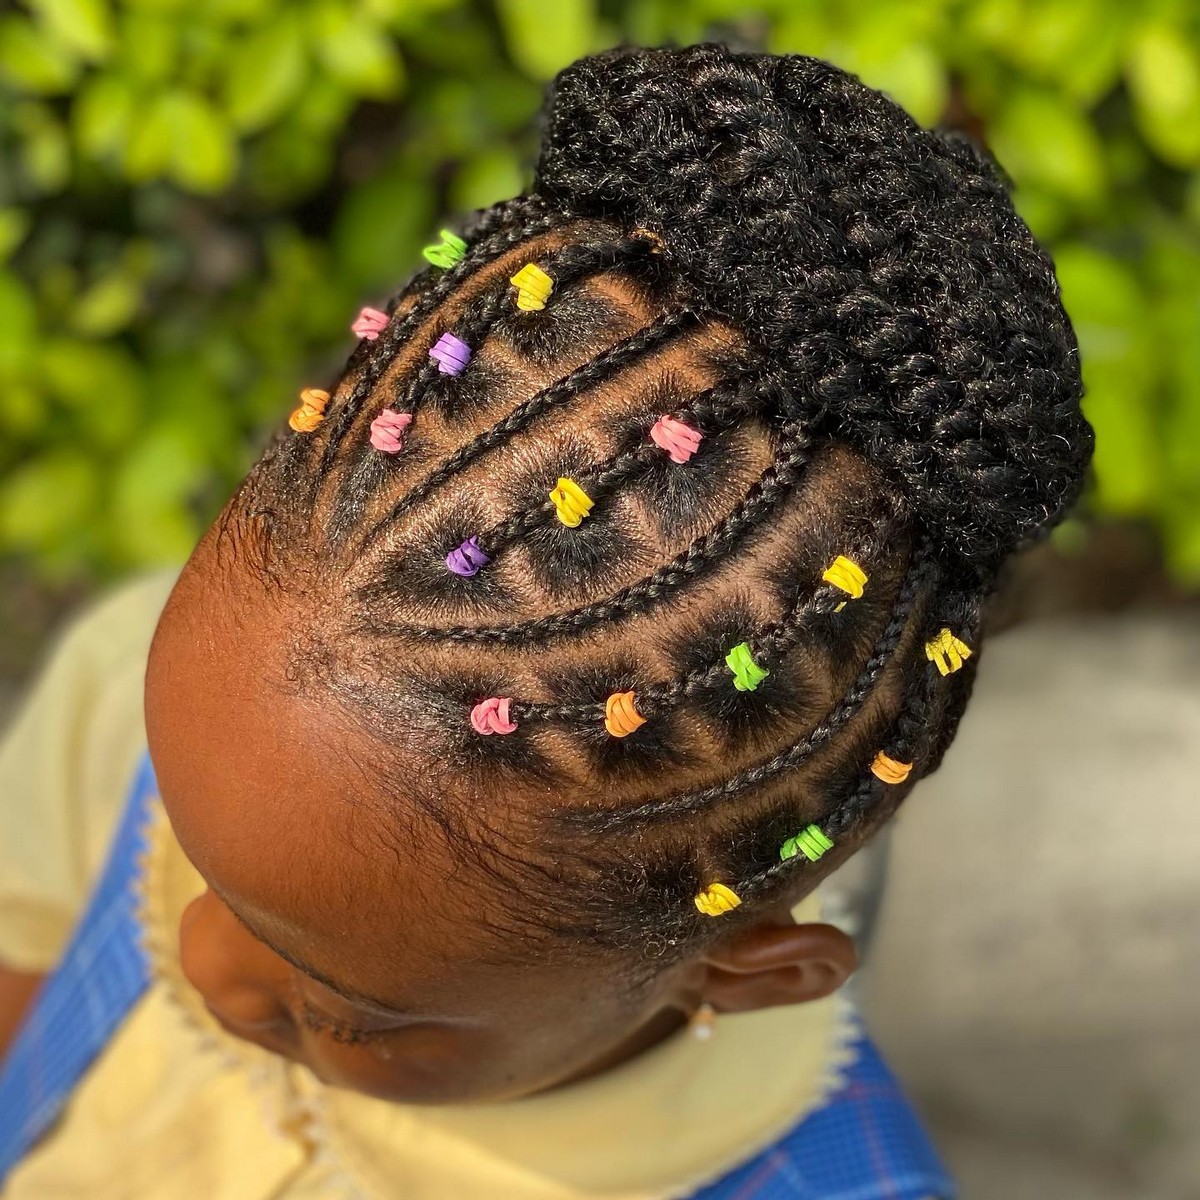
[289, 811]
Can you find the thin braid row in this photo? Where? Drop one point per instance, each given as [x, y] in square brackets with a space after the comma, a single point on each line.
[761, 501]
[764, 651]
[504, 227]
[606, 365]
[722, 405]
[922, 571]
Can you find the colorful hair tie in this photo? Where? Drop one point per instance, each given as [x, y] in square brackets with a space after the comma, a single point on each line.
[947, 652]
[451, 354]
[621, 717]
[888, 769]
[717, 899]
[369, 323]
[680, 441]
[311, 411]
[533, 287]
[467, 558]
[387, 430]
[446, 252]
[747, 674]
[571, 502]
[810, 842]
[491, 716]
[846, 574]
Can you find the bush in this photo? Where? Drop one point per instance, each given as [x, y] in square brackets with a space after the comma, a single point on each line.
[194, 199]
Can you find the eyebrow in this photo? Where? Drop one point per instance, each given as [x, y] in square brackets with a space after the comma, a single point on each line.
[348, 994]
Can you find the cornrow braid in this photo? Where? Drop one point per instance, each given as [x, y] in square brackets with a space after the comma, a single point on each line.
[504, 227]
[669, 808]
[721, 405]
[605, 365]
[768, 647]
[762, 500]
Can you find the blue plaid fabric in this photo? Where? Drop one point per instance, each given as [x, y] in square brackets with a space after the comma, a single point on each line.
[866, 1143]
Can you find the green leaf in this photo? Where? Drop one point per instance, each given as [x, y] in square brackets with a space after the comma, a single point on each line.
[492, 175]
[98, 384]
[378, 229]
[180, 133]
[14, 224]
[18, 325]
[356, 52]
[22, 414]
[1041, 137]
[42, 500]
[266, 70]
[157, 475]
[33, 62]
[1164, 79]
[204, 157]
[544, 38]
[83, 25]
[1120, 371]
[102, 115]
[150, 46]
[45, 153]
[151, 143]
[108, 305]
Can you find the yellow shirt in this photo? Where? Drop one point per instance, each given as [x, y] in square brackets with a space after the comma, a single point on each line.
[176, 1108]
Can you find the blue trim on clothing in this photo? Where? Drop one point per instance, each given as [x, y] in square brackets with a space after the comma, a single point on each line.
[865, 1143]
[102, 974]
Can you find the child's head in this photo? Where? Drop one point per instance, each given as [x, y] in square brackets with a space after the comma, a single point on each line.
[531, 677]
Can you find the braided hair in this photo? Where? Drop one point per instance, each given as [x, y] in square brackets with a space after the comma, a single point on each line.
[658, 516]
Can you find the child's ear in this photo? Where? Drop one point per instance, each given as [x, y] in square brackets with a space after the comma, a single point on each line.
[769, 965]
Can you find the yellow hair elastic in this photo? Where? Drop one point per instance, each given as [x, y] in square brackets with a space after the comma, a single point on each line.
[621, 718]
[571, 502]
[311, 411]
[533, 287]
[716, 900]
[888, 769]
[846, 574]
[947, 652]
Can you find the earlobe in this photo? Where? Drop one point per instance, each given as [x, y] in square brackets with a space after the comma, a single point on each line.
[771, 965]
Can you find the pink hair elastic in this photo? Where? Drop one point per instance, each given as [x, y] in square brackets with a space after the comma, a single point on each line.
[680, 441]
[369, 323]
[451, 354]
[467, 558]
[491, 716]
[387, 430]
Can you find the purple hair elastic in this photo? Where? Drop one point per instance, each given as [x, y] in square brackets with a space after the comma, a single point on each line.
[451, 354]
[465, 560]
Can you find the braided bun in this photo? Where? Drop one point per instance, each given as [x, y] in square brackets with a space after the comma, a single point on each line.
[880, 267]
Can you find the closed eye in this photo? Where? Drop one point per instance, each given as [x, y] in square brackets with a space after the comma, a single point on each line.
[339, 1031]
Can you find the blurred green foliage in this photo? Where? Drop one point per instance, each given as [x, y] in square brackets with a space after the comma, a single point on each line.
[195, 198]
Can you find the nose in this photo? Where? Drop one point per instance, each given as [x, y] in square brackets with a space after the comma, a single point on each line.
[243, 983]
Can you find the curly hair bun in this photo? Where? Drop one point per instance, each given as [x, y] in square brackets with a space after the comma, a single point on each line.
[878, 265]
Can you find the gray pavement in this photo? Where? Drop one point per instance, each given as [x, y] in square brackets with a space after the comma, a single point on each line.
[1036, 972]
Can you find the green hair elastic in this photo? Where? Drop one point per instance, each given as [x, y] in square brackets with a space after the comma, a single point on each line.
[447, 252]
[747, 674]
[811, 842]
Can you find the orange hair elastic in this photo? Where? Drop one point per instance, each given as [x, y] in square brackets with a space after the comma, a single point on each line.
[716, 900]
[311, 411]
[889, 770]
[621, 718]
